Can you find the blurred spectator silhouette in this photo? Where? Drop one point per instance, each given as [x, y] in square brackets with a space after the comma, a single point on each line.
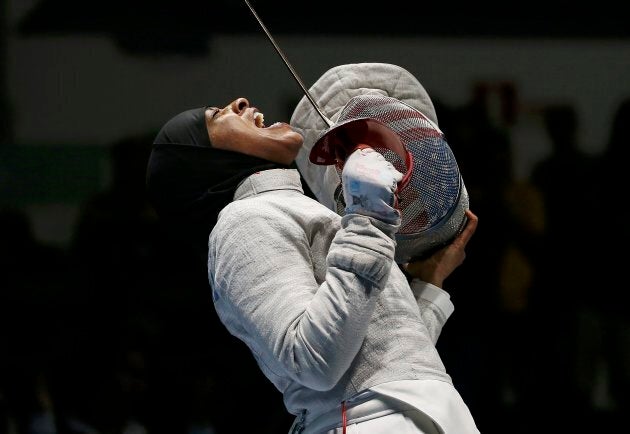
[470, 344]
[146, 351]
[603, 321]
[124, 363]
[569, 186]
[32, 307]
[494, 353]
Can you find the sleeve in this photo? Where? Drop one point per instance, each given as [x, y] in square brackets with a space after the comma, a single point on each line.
[435, 306]
[266, 293]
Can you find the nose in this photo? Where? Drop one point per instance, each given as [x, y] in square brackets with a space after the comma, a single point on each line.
[240, 104]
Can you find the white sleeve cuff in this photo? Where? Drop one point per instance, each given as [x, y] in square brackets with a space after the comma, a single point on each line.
[433, 294]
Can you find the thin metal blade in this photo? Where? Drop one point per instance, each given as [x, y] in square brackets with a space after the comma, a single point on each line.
[286, 62]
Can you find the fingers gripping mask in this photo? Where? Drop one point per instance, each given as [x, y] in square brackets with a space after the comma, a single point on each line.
[432, 197]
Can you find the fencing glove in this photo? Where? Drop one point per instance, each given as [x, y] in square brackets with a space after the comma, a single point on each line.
[369, 185]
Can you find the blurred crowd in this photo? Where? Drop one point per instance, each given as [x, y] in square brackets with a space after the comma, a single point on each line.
[116, 334]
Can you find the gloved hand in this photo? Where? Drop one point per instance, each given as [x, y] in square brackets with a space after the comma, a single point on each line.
[369, 183]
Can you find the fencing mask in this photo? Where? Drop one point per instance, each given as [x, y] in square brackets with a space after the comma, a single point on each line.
[385, 107]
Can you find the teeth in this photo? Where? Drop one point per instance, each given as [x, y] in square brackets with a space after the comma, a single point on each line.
[259, 119]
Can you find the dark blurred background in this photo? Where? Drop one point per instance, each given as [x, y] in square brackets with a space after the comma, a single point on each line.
[106, 321]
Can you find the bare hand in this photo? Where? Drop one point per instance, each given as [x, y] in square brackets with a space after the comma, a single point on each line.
[442, 263]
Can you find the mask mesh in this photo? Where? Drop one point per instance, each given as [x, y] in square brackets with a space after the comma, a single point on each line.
[434, 187]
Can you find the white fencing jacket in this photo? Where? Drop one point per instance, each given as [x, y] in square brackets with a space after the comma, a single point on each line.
[323, 307]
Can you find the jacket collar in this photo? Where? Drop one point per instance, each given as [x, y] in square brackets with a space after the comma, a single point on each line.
[268, 180]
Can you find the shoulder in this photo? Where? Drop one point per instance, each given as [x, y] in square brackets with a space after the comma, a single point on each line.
[238, 215]
[273, 211]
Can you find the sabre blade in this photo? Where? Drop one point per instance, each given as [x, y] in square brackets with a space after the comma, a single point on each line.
[288, 65]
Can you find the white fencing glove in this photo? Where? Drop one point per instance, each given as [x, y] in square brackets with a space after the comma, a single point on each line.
[369, 186]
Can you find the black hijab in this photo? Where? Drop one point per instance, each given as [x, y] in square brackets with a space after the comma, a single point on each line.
[189, 181]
